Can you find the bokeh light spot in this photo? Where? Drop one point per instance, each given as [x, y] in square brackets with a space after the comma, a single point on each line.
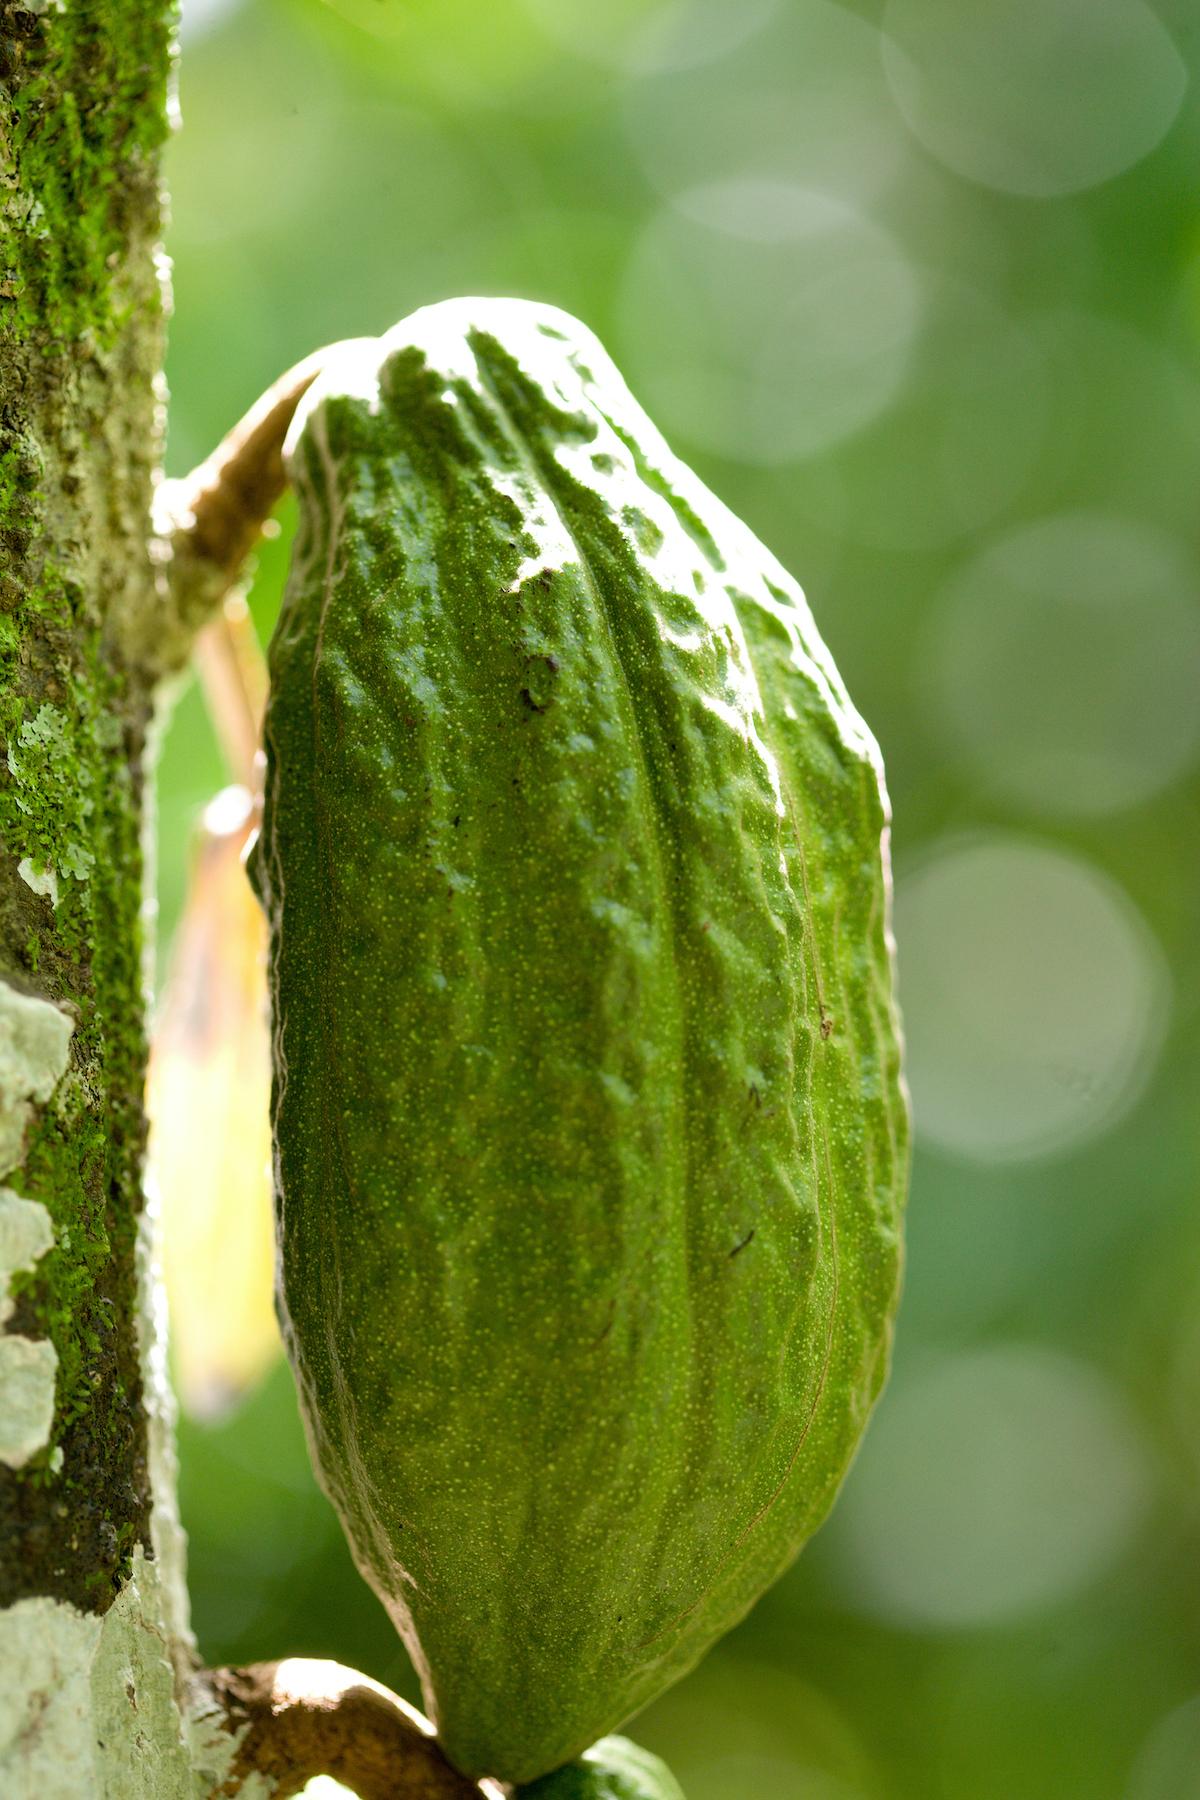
[959, 439]
[639, 34]
[693, 33]
[1033, 995]
[1036, 97]
[740, 1726]
[1067, 662]
[1124, 418]
[802, 99]
[764, 322]
[993, 1485]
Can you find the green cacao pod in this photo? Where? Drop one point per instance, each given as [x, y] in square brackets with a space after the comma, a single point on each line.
[590, 1141]
[613, 1769]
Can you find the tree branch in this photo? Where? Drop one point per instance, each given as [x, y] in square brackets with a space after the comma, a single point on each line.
[301, 1718]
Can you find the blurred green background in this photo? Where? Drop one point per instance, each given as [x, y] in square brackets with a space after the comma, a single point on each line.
[916, 287]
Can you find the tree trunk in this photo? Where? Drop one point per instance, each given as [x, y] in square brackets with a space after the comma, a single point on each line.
[95, 1663]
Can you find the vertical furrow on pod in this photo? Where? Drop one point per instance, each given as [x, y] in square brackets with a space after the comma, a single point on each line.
[626, 627]
[733, 903]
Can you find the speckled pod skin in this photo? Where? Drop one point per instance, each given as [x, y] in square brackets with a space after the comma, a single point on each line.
[590, 1136]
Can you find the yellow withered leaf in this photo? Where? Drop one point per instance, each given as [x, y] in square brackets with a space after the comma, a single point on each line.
[210, 1144]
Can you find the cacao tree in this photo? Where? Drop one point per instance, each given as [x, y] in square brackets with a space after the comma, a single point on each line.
[102, 1693]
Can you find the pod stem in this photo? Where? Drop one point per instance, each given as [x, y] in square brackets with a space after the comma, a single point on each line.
[300, 1717]
[207, 523]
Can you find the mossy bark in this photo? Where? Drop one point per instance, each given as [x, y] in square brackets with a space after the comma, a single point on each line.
[84, 113]
[94, 1656]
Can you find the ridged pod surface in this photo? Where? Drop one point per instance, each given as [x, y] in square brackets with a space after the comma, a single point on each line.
[590, 1138]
